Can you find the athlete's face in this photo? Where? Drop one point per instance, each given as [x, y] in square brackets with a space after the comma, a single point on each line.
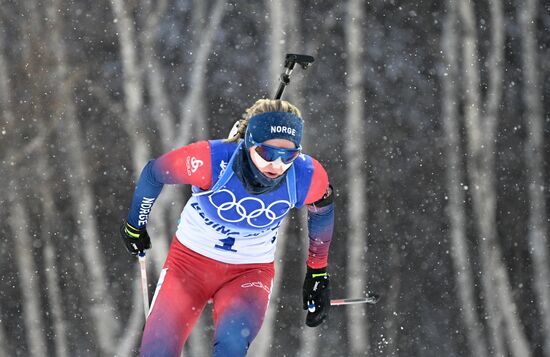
[272, 169]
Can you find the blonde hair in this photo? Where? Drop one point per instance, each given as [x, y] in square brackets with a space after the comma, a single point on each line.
[262, 106]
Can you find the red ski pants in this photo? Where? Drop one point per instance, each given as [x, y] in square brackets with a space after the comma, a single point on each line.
[239, 292]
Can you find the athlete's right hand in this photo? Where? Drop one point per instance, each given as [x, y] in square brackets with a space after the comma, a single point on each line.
[136, 240]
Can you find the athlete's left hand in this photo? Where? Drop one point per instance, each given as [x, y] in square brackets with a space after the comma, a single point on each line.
[316, 294]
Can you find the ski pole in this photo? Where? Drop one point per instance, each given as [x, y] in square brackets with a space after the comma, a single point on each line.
[369, 299]
[144, 288]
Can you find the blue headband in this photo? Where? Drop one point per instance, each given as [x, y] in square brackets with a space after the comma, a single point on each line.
[274, 125]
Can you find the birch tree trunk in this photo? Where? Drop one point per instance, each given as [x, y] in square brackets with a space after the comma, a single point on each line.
[456, 198]
[475, 162]
[392, 304]
[5, 97]
[481, 163]
[356, 155]
[55, 300]
[192, 105]
[517, 341]
[7, 121]
[50, 220]
[3, 339]
[534, 151]
[100, 301]
[276, 40]
[160, 106]
[132, 84]
[18, 221]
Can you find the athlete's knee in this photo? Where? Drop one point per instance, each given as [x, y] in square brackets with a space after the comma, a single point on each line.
[233, 341]
[230, 347]
[160, 342]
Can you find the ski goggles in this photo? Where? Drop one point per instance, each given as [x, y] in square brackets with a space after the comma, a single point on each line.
[272, 153]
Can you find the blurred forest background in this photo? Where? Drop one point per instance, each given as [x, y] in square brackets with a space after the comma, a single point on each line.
[431, 118]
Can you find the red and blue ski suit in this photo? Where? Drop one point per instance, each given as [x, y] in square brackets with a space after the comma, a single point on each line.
[224, 246]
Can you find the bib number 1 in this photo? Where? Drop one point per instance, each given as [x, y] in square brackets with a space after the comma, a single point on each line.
[227, 244]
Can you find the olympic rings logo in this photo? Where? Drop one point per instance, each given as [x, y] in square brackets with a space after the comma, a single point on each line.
[250, 208]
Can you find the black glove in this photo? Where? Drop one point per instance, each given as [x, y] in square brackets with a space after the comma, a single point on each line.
[136, 240]
[316, 293]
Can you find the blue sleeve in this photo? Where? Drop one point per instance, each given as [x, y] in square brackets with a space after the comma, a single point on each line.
[320, 223]
[147, 190]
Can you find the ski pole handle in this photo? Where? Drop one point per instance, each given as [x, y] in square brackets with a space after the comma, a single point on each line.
[291, 60]
[144, 287]
[369, 299]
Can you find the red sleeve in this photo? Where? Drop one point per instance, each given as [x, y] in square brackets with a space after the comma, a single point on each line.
[319, 183]
[190, 164]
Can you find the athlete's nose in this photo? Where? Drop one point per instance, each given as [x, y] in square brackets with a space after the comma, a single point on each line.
[274, 167]
[278, 164]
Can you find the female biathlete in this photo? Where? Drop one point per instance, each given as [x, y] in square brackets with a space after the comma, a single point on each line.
[224, 245]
